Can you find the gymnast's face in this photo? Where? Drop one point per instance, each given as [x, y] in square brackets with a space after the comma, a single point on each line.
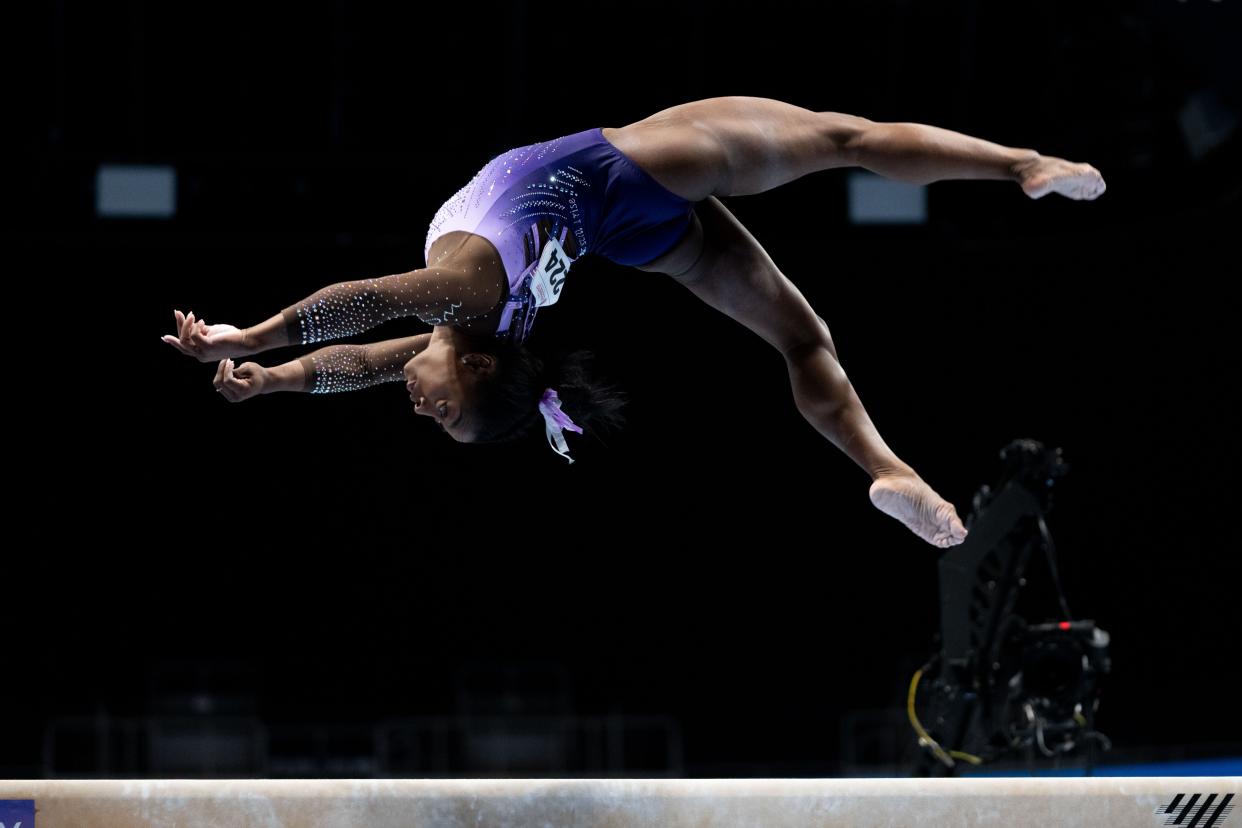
[443, 381]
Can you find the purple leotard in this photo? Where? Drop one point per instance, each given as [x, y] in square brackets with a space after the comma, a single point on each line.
[542, 207]
[578, 191]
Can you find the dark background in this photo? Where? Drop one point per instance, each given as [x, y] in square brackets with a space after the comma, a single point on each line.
[325, 585]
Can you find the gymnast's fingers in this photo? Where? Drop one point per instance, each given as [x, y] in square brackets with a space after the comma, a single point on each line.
[240, 387]
[176, 343]
[228, 383]
[196, 339]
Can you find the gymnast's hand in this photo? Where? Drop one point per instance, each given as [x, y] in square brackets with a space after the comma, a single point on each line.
[1056, 175]
[241, 383]
[205, 342]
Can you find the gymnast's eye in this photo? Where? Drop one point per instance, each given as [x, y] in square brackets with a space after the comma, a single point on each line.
[444, 412]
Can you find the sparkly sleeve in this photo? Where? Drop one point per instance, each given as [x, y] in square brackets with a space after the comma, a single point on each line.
[352, 367]
[435, 295]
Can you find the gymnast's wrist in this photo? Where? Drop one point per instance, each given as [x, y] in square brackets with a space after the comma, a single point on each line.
[273, 333]
[288, 376]
[250, 343]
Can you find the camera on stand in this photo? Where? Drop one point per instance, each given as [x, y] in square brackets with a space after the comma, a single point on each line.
[999, 685]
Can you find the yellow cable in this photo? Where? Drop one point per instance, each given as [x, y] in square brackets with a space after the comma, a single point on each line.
[925, 738]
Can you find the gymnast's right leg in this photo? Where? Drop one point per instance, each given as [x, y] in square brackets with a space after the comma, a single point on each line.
[725, 266]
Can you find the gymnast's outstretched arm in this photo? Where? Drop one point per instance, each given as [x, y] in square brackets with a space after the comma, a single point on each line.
[325, 371]
[436, 295]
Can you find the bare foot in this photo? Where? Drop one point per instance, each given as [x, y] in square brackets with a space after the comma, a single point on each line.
[928, 515]
[1047, 174]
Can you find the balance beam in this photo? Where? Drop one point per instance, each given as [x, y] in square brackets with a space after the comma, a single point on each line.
[611, 803]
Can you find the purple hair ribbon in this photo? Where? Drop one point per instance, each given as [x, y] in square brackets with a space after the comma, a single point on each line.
[555, 422]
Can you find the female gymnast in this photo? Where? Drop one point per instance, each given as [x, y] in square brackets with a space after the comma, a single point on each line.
[646, 195]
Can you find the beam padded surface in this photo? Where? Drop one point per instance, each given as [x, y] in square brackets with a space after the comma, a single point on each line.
[611, 803]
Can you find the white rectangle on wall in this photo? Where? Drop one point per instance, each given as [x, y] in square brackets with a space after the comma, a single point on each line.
[875, 199]
[135, 191]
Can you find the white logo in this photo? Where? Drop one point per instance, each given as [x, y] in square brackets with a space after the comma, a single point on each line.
[1179, 811]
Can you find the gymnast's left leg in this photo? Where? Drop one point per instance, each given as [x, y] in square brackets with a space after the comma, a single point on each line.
[739, 145]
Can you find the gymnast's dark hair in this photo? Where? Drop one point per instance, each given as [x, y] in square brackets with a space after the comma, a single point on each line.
[508, 406]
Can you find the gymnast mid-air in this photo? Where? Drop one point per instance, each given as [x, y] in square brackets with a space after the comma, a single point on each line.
[645, 195]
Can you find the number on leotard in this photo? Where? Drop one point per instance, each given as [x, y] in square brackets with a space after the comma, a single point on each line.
[550, 274]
